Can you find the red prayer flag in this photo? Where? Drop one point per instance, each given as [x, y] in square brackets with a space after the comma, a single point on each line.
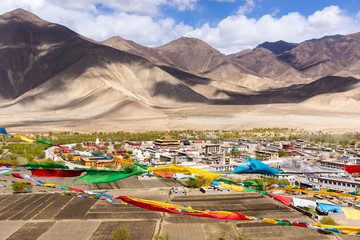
[283, 199]
[77, 190]
[56, 173]
[167, 175]
[299, 224]
[63, 148]
[16, 175]
[5, 164]
[233, 215]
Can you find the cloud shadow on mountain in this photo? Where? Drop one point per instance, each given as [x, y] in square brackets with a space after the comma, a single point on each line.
[185, 77]
[292, 94]
[178, 92]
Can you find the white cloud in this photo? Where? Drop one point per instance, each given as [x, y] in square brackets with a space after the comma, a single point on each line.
[183, 5]
[123, 20]
[247, 7]
[275, 12]
[138, 7]
[239, 32]
[141, 29]
[143, 22]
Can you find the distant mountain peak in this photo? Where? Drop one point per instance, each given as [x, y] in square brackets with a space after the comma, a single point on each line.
[187, 43]
[20, 14]
[325, 38]
[278, 47]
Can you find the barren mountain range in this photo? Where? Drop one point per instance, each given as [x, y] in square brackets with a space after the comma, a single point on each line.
[55, 79]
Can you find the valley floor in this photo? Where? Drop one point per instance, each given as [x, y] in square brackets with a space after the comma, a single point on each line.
[199, 117]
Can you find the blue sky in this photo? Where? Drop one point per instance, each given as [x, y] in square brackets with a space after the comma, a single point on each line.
[214, 11]
[227, 25]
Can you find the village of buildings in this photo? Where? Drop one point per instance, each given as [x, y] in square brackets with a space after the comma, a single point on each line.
[302, 163]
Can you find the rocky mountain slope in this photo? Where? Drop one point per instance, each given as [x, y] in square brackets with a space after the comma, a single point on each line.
[52, 74]
[326, 57]
[47, 67]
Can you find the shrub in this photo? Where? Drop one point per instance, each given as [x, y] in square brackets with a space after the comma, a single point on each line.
[243, 235]
[328, 221]
[77, 162]
[12, 162]
[70, 157]
[11, 157]
[129, 168]
[20, 187]
[191, 183]
[122, 233]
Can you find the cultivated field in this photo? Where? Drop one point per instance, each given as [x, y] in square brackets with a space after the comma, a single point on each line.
[48, 216]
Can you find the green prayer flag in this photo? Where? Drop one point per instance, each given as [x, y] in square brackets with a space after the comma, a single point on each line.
[104, 176]
[45, 142]
[142, 166]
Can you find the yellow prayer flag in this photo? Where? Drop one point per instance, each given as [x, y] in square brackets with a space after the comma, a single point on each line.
[24, 138]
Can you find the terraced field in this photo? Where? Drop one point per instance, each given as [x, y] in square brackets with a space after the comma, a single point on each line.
[49, 216]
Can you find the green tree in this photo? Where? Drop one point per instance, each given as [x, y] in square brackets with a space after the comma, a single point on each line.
[284, 181]
[311, 210]
[11, 157]
[355, 175]
[118, 146]
[159, 237]
[41, 155]
[283, 153]
[122, 233]
[49, 160]
[109, 165]
[357, 189]
[260, 157]
[79, 147]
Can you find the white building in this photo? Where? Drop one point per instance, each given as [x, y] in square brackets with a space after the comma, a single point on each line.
[223, 167]
[338, 183]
